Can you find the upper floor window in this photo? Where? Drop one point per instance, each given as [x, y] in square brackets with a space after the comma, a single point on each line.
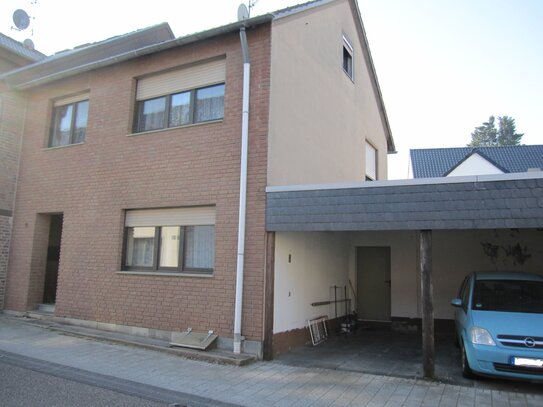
[371, 162]
[348, 58]
[69, 123]
[179, 109]
[193, 94]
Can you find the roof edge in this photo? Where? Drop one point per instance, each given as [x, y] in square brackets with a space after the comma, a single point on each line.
[162, 46]
[408, 182]
[373, 74]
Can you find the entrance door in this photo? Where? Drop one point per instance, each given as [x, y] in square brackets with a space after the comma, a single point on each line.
[53, 257]
[373, 283]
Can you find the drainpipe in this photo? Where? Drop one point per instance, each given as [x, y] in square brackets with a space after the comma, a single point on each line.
[242, 192]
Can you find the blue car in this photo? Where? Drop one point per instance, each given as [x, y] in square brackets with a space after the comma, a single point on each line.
[499, 325]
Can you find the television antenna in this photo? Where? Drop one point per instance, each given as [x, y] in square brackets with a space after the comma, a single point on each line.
[21, 20]
[252, 3]
[244, 12]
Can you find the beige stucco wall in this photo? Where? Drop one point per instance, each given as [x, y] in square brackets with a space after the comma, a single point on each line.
[319, 117]
[455, 254]
[403, 267]
[320, 260]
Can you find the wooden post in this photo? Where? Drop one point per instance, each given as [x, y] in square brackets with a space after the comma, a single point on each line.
[427, 298]
[268, 296]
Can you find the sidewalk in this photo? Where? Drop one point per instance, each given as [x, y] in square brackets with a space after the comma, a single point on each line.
[259, 384]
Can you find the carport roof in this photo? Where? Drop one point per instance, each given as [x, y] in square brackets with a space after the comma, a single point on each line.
[479, 202]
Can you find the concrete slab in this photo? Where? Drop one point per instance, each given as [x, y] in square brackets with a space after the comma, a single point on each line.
[399, 354]
[107, 335]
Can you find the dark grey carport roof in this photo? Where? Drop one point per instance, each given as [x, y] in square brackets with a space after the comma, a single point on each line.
[483, 202]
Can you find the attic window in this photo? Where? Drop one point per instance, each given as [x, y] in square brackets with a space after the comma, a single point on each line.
[348, 58]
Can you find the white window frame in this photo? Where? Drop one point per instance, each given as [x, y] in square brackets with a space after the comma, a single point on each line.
[372, 167]
[347, 47]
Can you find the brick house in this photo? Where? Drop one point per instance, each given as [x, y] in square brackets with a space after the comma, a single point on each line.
[129, 211]
[13, 55]
[128, 196]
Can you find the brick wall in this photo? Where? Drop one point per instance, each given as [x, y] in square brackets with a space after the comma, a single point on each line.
[12, 109]
[93, 183]
[5, 234]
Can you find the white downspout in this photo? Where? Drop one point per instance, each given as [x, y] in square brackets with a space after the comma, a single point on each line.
[242, 191]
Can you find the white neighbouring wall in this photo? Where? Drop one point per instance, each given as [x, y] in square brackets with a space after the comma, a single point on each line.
[475, 165]
[320, 260]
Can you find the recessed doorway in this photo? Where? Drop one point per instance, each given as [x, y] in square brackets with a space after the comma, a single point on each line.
[53, 259]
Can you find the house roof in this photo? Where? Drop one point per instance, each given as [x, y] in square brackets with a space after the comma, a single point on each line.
[438, 162]
[159, 38]
[86, 57]
[18, 49]
[501, 201]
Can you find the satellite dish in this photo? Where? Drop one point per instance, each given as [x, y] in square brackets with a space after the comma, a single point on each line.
[29, 44]
[243, 12]
[21, 19]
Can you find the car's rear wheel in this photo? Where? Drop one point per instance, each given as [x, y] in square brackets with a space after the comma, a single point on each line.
[466, 370]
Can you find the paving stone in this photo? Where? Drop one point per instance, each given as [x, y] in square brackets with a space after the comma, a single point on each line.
[262, 384]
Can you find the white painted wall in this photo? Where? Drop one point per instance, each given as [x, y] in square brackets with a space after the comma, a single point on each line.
[403, 267]
[456, 253]
[320, 119]
[475, 165]
[321, 259]
[318, 261]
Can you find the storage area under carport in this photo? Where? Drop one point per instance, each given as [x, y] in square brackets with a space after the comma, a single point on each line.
[398, 251]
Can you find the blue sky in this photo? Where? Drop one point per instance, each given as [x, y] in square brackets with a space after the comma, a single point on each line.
[444, 66]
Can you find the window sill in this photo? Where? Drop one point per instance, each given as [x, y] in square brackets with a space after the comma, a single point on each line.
[141, 133]
[351, 78]
[165, 274]
[64, 146]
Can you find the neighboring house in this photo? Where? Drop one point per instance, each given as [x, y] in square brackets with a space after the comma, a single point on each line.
[462, 161]
[129, 184]
[13, 55]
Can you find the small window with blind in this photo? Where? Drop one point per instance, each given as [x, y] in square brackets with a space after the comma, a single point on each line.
[181, 97]
[69, 122]
[371, 162]
[172, 240]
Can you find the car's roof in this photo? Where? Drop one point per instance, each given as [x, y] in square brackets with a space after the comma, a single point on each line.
[507, 275]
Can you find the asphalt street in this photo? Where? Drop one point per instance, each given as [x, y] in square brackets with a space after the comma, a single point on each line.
[24, 387]
[31, 382]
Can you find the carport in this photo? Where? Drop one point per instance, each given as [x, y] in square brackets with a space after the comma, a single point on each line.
[428, 233]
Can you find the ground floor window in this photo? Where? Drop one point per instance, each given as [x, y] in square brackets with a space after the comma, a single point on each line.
[170, 240]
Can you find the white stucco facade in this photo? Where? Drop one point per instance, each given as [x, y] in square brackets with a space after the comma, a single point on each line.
[320, 260]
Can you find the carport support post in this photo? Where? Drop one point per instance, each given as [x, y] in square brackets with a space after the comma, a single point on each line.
[269, 296]
[427, 298]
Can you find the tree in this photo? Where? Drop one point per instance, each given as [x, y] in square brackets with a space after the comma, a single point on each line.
[507, 132]
[488, 136]
[485, 135]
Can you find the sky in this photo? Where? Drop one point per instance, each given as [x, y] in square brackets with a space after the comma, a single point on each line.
[444, 66]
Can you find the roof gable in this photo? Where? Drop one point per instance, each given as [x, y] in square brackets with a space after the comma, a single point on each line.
[474, 164]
